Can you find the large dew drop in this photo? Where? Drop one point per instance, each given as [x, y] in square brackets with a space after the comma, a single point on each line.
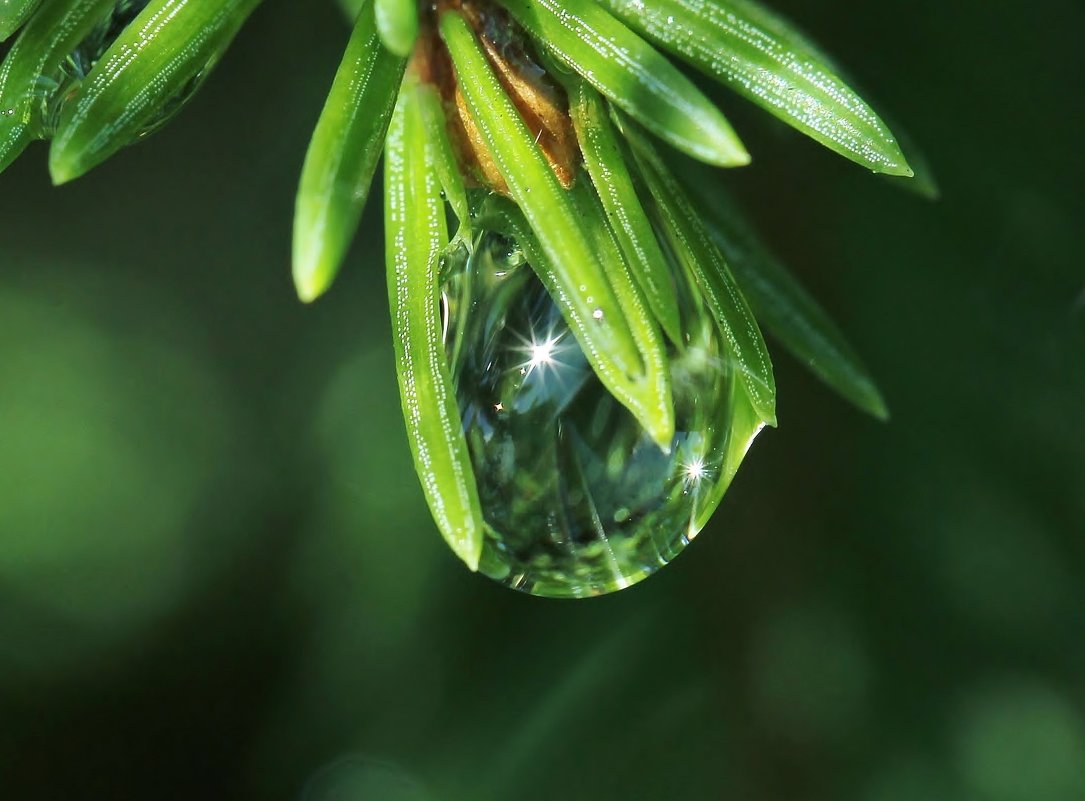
[577, 499]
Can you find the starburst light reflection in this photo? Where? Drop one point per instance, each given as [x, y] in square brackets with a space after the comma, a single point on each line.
[694, 470]
[542, 353]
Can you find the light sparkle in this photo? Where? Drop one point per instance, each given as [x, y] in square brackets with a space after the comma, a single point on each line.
[694, 471]
[541, 353]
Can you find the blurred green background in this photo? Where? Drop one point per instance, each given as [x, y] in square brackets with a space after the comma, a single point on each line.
[218, 578]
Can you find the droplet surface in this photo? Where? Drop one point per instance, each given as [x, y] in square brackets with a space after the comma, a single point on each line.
[577, 499]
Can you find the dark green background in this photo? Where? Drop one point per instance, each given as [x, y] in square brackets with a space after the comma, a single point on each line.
[218, 576]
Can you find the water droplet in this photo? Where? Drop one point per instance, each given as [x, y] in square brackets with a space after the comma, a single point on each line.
[577, 498]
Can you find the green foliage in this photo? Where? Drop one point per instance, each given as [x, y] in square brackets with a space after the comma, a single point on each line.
[40, 50]
[607, 227]
[220, 578]
[756, 53]
[13, 13]
[415, 235]
[445, 161]
[397, 22]
[780, 302]
[633, 75]
[605, 163]
[343, 157]
[698, 254]
[136, 84]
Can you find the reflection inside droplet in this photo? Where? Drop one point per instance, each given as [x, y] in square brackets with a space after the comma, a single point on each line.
[577, 498]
